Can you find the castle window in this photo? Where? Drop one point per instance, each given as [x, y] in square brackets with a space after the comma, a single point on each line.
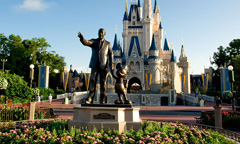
[133, 17]
[133, 23]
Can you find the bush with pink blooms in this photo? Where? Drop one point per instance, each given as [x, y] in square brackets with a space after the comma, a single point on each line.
[55, 131]
[230, 119]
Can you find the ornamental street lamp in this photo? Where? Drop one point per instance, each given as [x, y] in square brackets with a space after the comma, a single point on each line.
[31, 104]
[231, 80]
[3, 60]
[31, 74]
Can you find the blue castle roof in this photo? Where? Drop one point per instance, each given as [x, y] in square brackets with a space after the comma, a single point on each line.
[166, 48]
[133, 7]
[160, 25]
[125, 17]
[173, 57]
[153, 46]
[134, 38]
[139, 4]
[115, 44]
[155, 6]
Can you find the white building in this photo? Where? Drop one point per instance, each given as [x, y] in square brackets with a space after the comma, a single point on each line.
[153, 65]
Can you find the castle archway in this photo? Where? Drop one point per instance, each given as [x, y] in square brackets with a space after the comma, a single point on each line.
[134, 85]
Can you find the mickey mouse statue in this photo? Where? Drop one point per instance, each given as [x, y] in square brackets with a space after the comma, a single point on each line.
[121, 83]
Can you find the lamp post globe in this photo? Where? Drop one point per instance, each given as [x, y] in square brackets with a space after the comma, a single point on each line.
[31, 66]
[230, 67]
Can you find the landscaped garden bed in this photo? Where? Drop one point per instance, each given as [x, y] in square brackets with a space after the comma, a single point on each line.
[230, 119]
[55, 131]
[18, 113]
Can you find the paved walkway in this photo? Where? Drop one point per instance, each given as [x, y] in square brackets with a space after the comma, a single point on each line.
[59, 104]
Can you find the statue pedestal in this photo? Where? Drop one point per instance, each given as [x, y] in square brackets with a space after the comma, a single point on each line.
[218, 116]
[106, 118]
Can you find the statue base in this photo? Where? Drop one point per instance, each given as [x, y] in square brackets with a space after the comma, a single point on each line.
[106, 118]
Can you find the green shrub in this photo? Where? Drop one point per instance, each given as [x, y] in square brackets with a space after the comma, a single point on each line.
[17, 86]
[56, 131]
[46, 92]
[60, 91]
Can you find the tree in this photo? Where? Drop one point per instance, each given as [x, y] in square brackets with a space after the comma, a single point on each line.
[228, 56]
[21, 53]
[220, 58]
[17, 86]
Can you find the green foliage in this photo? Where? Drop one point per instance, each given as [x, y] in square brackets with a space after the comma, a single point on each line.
[225, 57]
[3, 83]
[213, 93]
[21, 53]
[46, 92]
[18, 113]
[230, 119]
[60, 91]
[17, 87]
[56, 132]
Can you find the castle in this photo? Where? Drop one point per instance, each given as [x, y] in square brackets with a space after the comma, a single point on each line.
[153, 64]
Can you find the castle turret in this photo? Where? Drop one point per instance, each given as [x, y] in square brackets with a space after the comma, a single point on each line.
[166, 53]
[116, 51]
[154, 62]
[156, 16]
[147, 25]
[160, 33]
[140, 9]
[125, 29]
[185, 65]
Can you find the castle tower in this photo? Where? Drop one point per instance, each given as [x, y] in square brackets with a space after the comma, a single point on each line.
[166, 53]
[156, 17]
[185, 65]
[147, 25]
[154, 62]
[175, 74]
[160, 33]
[139, 9]
[116, 52]
[125, 30]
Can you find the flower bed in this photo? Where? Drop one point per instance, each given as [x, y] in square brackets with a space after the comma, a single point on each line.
[230, 119]
[152, 132]
[18, 113]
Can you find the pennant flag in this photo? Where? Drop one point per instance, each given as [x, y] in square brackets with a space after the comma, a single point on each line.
[148, 79]
[43, 76]
[205, 81]
[182, 79]
[65, 76]
[225, 83]
[87, 79]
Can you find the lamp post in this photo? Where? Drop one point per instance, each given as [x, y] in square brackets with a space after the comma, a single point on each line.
[3, 60]
[231, 80]
[31, 104]
[31, 74]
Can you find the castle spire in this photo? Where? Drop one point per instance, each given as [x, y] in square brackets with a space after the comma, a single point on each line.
[126, 8]
[153, 46]
[166, 47]
[139, 3]
[115, 44]
[173, 57]
[155, 6]
[182, 51]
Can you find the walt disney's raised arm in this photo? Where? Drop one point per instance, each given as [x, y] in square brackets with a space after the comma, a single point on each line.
[83, 41]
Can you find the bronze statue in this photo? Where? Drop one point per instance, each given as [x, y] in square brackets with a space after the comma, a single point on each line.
[121, 84]
[101, 55]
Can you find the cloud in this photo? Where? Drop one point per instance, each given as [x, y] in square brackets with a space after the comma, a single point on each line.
[33, 5]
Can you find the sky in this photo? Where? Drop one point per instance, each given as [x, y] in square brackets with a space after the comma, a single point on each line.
[202, 25]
